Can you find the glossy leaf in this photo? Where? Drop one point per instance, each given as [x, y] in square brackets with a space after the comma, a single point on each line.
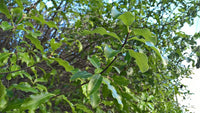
[94, 83]
[4, 56]
[109, 52]
[81, 74]
[95, 99]
[127, 18]
[64, 63]
[94, 61]
[34, 101]
[80, 46]
[3, 100]
[36, 42]
[6, 26]
[141, 60]
[146, 34]
[24, 86]
[113, 90]
[114, 12]
[101, 31]
[4, 9]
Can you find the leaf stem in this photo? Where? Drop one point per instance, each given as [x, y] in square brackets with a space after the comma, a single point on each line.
[117, 55]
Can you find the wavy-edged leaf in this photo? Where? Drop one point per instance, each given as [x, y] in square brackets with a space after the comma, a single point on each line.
[127, 18]
[4, 9]
[84, 108]
[101, 31]
[64, 63]
[24, 86]
[94, 83]
[14, 104]
[3, 100]
[141, 60]
[34, 101]
[35, 41]
[146, 34]
[6, 26]
[94, 61]
[81, 74]
[113, 91]
[4, 56]
[109, 52]
[95, 99]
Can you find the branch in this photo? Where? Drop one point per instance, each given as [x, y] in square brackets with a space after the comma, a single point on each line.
[117, 55]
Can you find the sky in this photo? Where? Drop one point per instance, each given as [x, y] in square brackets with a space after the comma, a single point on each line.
[193, 101]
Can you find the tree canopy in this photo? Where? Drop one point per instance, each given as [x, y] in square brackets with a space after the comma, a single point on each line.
[95, 56]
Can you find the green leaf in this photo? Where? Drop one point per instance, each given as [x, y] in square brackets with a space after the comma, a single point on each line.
[3, 100]
[54, 45]
[135, 38]
[36, 42]
[95, 99]
[51, 24]
[19, 2]
[150, 44]
[14, 104]
[120, 80]
[114, 12]
[109, 52]
[79, 46]
[117, 69]
[4, 9]
[70, 104]
[113, 90]
[141, 60]
[34, 101]
[84, 108]
[4, 56]
[101, 31]
[81, 74]
[65, 64]
[127, 18]
[24, 86]
[146, 34]
[42, 5]
[94, 83]
[94, 61]
[6, 26]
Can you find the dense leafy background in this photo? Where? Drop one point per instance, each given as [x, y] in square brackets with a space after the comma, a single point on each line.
[95, 56]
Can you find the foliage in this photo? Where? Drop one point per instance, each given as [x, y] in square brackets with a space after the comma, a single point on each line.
[94, 56]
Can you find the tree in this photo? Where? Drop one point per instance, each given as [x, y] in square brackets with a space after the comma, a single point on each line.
[94, 56]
